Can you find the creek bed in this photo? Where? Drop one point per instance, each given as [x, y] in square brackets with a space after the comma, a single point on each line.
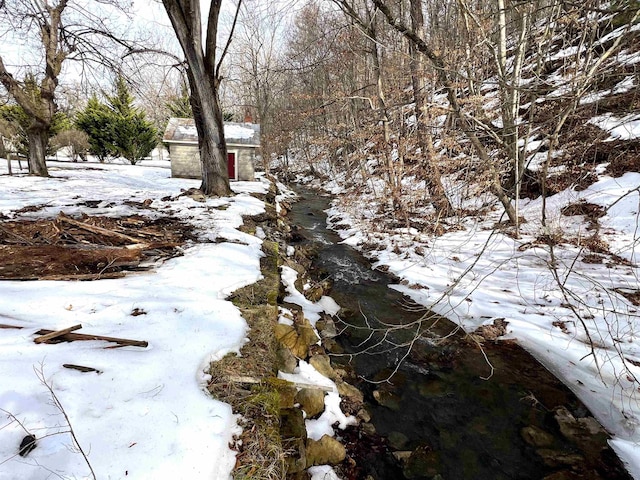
[445, 414]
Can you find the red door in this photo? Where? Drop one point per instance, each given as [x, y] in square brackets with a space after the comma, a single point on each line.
[231, 165]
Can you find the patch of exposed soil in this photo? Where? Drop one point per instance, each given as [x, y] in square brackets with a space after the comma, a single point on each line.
[590, 211]
[87, 248]
[587, 209]
[578, 177]
[632, 295]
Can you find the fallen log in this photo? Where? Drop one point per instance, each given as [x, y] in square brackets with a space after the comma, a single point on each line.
[99, 230]
[56, 333]
[81, 368]
[71, 276]
[70, 337]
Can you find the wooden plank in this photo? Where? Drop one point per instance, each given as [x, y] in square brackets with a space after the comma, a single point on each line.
[81, 368]
[56, 333]
[4, 325]
[255, 380]
[70, 337]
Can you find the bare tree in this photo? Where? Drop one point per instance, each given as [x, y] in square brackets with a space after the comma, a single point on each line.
[423, 117]
[57, 32]
[446, 77]
[204, 74]
[38, 99]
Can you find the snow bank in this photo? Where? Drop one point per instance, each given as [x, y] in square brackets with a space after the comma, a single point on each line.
[147, 414]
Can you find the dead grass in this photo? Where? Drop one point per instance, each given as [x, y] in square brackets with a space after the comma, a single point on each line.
[247, 382]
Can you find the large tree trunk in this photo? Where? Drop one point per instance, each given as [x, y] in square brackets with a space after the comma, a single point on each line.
[38, 100]
[38, 135]
[211, 142]
[186, 21]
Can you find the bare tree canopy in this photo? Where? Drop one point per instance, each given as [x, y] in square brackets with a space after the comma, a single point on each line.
[53, 32]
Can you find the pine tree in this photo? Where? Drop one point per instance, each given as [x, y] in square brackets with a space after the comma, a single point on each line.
[117, 128]
[180, 105]
[133, 135]
[97, 121]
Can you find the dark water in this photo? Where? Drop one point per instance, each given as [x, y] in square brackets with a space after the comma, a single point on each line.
[459, 425]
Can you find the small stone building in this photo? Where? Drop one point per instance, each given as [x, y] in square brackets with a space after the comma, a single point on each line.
[243, 143]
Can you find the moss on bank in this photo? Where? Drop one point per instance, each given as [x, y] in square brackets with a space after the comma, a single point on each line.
[246, 382]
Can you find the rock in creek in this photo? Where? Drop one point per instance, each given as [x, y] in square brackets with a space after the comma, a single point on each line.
[322, 364]
[387, 399]
[327, 327]
[423, 462]
[317, 291]
[557, 458]
[536, 437]
[331, 346]
[297, 339]
[326, 451]
[585, 432]
[398, 440]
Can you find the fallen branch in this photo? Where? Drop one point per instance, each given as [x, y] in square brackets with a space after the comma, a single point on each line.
[56, 333]
[78, 277]
[98, 230]
[5, 326]
[81, 368]
[70, 337]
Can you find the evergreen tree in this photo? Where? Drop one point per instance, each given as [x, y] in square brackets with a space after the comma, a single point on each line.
[117, 128]
[180, 105]
[133, 135]
[97, 120]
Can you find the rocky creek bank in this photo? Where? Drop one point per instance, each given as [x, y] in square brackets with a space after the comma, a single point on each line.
[439, 416]
[429, 422]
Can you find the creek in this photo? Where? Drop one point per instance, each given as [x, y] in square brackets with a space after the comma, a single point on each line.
[438, 416]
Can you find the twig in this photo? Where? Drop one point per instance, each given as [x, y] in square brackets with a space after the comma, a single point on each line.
[56, 401]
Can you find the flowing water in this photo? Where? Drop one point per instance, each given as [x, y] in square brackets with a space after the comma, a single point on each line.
[438, 413]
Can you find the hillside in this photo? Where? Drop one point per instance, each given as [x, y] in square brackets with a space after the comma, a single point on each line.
[565, 274]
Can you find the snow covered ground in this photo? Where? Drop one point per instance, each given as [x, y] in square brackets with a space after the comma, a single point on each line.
[147, 414]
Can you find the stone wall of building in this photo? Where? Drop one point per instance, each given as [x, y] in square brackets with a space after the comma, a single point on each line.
[185, 161]
[246, 158]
